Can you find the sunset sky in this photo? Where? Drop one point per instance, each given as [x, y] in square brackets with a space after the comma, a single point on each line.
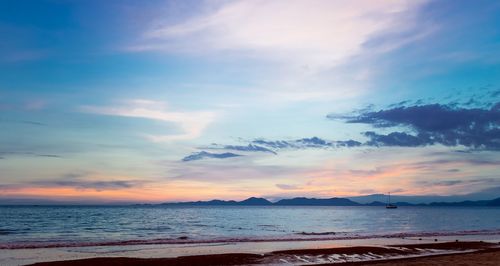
[153, 101]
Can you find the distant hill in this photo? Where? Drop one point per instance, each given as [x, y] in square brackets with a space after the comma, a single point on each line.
[255, 202]
[316, 202]
[375, 203]
[302, 201]
[485, 194]
[479, 203]
[248, 202]
[494, 202]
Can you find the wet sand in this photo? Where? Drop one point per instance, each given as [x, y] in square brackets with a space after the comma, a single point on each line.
[481, 258]
[471, 253]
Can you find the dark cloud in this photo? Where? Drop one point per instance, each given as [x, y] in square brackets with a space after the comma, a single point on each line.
[28, 122]
[347, 143]
[203, 154]
[48, 155]
[272, 146]
[397, 139]
[433, 117]
[424, 124]
[313, 142]
[248, 148]
[475, 128]
[278, 144]
[448, 183]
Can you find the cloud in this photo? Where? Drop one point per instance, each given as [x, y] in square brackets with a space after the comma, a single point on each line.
[273, 146]
[304, 143]
[192, 123]
[313, 142]
[446, 183]
[347, 143]
[318, 33]
[22, 153]
[81, 180]
[397, 139]
[476, 128]
[248, 148]
[278, 144]
[49, 155]
[261, 145]
[237, 173]
[96, 185]
[288, 187]
[203, 154]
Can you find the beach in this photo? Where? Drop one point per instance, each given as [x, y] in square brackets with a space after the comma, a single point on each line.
[146, 235]
[478, 258]
[446, 253]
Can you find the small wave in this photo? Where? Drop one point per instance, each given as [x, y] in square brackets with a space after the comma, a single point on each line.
[156, 228]
[5, 232]
[186, 240]
[316, 233]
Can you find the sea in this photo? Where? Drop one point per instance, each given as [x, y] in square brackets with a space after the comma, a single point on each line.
[34, 227]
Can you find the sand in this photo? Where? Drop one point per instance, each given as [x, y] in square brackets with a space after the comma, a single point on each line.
[471, 253]
[489, 258]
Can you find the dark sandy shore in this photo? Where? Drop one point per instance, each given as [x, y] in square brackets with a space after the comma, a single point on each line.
[466, 253]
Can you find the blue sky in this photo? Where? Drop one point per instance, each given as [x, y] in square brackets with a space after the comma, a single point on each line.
[181, 100]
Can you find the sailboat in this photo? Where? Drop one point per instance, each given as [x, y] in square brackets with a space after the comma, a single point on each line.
[389, 205]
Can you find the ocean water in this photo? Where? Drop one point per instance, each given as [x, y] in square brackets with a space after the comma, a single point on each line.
[72, 226]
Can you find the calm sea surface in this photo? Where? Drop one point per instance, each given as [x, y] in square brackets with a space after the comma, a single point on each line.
[73, 226]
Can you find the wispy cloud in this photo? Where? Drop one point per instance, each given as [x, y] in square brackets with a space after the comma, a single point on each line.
[288, 187]
[203, 155]
[80, 180]
[302, 51]
[95, 185]
[248, 148]
[274, 146]
[318, 33]
[191, 123]
[31, 154]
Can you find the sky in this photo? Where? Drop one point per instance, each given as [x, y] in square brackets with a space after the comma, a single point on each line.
[158, 101]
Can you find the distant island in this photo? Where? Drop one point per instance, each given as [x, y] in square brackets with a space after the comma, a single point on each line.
[302, 201]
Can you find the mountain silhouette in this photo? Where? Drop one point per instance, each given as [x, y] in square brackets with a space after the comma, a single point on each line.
[302, 201]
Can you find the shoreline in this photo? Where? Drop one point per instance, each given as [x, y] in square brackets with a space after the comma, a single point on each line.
[298, 237]
[222, 252]
[439, 253]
